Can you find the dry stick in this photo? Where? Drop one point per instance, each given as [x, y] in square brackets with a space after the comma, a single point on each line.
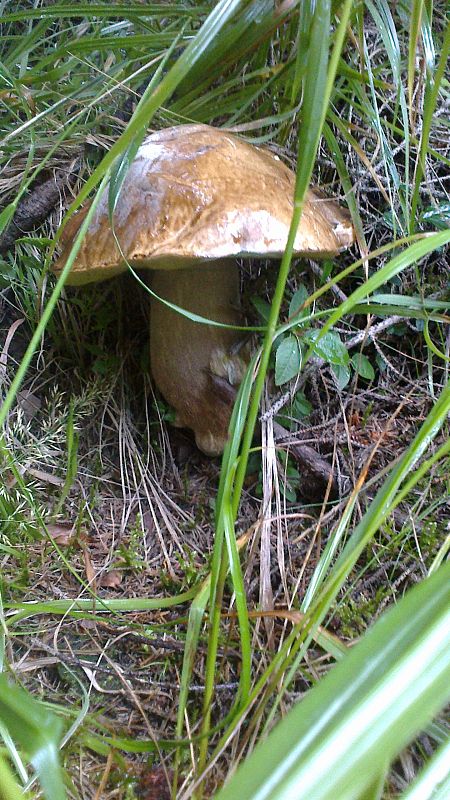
[105, 776]
[341, 296]
[373, 331]
[4, 352]
[313, 464]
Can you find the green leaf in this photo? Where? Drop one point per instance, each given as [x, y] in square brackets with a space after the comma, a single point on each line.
[410, 302]
[85, 607]
[363, 367]
[6, 216]
[298, 298]
[330, 347]
[301, 407]
[288, 360]
[101, 10]
[9, 789]
[7, 274]
[262, 307]
[37, 731]
[438, 216]
[195, 622]
[342, 374]
[337, 741]
[433, 783]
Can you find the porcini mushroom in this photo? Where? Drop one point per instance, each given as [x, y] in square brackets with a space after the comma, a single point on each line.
[194, 199]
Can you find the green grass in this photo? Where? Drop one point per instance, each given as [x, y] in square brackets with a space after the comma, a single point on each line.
[353, 95]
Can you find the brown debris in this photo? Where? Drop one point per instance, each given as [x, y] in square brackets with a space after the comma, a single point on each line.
[35, 207]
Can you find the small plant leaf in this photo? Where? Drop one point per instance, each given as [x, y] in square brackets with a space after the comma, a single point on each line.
[342, 375]
[330, 347]
[298, 298]
[363, 367]
[288, 360]
[262, 307]
[301, 407]
[37, 731]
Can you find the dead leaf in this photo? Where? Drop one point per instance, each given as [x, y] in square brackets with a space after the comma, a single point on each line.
[111, 579]
[29, 403]
[46, 477]
[87, 624]
[62, 535]
[154, 784]
[90, 572]
[17, 98]
[148, 523]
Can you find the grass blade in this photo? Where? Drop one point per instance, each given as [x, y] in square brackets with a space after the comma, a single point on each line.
[433, 782]
[396, 679]
[38, 732]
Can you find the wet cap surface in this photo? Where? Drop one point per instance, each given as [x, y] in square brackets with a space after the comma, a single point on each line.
[197, 193]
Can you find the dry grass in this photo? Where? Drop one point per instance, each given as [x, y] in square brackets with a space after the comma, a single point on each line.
[138, 517]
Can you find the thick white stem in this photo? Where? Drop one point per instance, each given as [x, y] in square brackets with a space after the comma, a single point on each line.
[193, 365]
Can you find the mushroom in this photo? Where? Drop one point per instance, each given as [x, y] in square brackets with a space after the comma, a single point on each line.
[195, 199]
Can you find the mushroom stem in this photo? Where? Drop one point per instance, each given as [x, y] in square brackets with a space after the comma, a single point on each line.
[196, 367]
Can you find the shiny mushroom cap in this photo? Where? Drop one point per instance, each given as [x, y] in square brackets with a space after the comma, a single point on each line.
[197, 193]
[193, 198]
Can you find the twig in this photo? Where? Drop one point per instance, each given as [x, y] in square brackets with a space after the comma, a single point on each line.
[341, 296]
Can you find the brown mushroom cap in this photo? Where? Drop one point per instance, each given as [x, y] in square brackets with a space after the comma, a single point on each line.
[199, 193]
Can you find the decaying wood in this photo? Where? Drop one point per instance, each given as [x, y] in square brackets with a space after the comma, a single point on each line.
[36, 206]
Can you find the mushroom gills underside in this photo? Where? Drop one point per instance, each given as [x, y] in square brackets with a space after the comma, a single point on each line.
[197, 367]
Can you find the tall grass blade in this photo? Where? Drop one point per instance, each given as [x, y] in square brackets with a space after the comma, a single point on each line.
[319, 80]
[9, 790]
[434, 82]
[337, 741]
[38, 732]
[433, 783]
